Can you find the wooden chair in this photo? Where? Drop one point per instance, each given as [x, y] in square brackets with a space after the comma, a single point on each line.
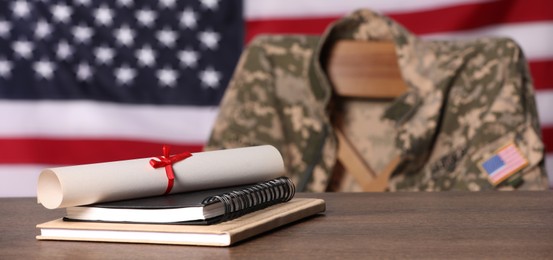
[362, 69]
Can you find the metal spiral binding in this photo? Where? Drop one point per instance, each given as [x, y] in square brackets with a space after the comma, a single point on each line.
[258, 196]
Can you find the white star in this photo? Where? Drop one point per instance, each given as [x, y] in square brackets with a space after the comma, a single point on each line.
[125, 75]
[84, 72]
[146, 17]
[167, 3]
[21, 9]
[103, 15]
[210, 39]
[146, 56]
[124, 35]
[167, 77]
[23, 48]
[5, 28]
[82, 33]
[210, 77]
[210, 4]
[83, 2]
[44, 68]
[188, 18]
[167, 37]
[189, 58]
[104, 55]
[43, 29]
[126, 3]
[5, 68]
[64, 50]
[61, 12]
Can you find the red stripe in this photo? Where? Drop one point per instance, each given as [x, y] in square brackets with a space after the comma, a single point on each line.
[470, 16]
[461, 17]
[547, 136]
[542, 72]
[62, 152]
[81, 151]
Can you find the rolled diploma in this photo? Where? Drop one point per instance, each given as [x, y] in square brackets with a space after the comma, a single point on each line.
[92, 183]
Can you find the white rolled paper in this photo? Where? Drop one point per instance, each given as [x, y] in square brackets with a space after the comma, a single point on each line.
[92, 183]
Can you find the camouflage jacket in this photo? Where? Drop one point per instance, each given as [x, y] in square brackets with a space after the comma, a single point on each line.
[466, 100]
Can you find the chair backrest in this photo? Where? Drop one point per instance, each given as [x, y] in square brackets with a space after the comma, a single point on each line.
[365, 69]
[361, 69]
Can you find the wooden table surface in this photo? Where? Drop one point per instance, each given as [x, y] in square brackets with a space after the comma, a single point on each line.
[440, 225]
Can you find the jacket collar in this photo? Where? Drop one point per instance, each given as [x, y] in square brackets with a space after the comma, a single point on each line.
[425, 69]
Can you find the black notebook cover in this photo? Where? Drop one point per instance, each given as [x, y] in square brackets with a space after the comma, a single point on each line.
[233, 201]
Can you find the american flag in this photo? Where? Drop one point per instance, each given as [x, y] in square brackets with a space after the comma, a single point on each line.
[88, 81]
[504, 163]
[164, 80]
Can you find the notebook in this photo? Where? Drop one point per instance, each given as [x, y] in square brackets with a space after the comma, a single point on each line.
[222, 234]
[199, 207]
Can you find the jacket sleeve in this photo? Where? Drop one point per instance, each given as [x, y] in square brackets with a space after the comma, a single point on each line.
[270, 101]
[488, 107]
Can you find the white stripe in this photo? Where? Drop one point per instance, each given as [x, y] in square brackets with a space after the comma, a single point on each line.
[263, 9]
[549, 168]
[535, 38]
[19, 181]
[544, 103]
[82, 119]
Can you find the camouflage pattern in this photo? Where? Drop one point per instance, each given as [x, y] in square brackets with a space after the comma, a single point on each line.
[466, 99]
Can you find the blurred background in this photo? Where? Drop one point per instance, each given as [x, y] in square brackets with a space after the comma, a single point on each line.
[88, 81]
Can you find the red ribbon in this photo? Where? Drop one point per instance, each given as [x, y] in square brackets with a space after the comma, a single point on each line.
[167, 161]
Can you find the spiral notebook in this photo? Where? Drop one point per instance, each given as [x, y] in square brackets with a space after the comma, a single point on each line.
[200, 207]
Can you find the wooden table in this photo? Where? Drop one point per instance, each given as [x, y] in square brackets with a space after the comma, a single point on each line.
[445, 225]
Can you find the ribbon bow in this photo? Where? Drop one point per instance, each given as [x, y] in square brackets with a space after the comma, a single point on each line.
[167, 161]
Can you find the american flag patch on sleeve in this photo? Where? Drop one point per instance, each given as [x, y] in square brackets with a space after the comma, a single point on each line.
[504, 163]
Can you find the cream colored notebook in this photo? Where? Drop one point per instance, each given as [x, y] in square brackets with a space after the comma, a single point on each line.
[223, 234]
